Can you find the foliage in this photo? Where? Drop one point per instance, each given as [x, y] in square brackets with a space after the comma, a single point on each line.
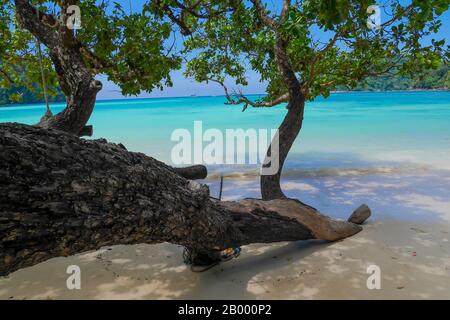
[130, 48]
[329, 45]
[19, 64]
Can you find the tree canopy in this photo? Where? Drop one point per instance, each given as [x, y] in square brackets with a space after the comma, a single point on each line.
[19, 64]
[328, 44]
[130, 48]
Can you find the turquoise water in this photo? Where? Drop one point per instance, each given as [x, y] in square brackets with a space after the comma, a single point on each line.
[391, 150]
[405, 126]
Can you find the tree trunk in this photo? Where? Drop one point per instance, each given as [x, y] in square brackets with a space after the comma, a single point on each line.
[291, 125]
[80, 89]
[75, 78]
[287, 133]
[61, 195]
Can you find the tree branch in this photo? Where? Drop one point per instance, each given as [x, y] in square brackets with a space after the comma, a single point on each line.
[185, 30]
[262, 13]
[285, 10]
[284, 65]
[318, 57]
[187, 10]
[247, 102]
[405, 11]
[42, 28]
[193, 172]
[6, 76]
[65, 33]
[61, 195]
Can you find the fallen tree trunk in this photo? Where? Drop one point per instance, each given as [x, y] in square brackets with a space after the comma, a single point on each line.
[61, 195]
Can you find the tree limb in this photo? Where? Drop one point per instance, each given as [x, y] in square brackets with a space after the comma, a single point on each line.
[192, 173]
[247, 102]
[285, 10]
[6, 76]
[41, 29]
[263, 15]
[61, 195]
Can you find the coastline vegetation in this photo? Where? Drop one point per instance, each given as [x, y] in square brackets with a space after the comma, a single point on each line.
[22, 94]
[430, 80]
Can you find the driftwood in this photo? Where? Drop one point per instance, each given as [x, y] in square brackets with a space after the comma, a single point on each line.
[60, 195]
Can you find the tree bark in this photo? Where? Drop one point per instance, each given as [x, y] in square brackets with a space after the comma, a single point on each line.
[291, 125]
[61, 195]
[193, 172]
[287, 133]
[80, 89]
[75, 78]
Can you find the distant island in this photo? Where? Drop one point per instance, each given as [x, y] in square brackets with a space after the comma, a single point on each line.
[438, 79]
[22, 94]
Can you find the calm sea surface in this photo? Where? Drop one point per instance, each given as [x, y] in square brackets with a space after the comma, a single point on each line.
[389, 150]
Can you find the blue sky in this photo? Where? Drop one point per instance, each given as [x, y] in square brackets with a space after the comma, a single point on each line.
[186, 87]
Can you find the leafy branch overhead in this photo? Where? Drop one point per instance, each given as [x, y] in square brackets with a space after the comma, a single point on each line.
[130, 48]
[328, 44]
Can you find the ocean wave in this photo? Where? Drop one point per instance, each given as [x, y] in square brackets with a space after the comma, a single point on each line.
[246, 173]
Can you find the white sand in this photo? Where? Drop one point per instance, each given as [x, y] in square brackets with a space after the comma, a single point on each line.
[302, 270]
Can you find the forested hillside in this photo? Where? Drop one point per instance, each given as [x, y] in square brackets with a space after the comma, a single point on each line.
[431, 80]
[19, 94]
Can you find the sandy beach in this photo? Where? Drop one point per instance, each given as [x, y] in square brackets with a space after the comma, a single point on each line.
[414, 259]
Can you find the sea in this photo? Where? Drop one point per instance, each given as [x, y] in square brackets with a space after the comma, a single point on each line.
[389, 150]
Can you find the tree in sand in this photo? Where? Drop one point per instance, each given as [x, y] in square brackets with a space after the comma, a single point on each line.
[306, 49]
